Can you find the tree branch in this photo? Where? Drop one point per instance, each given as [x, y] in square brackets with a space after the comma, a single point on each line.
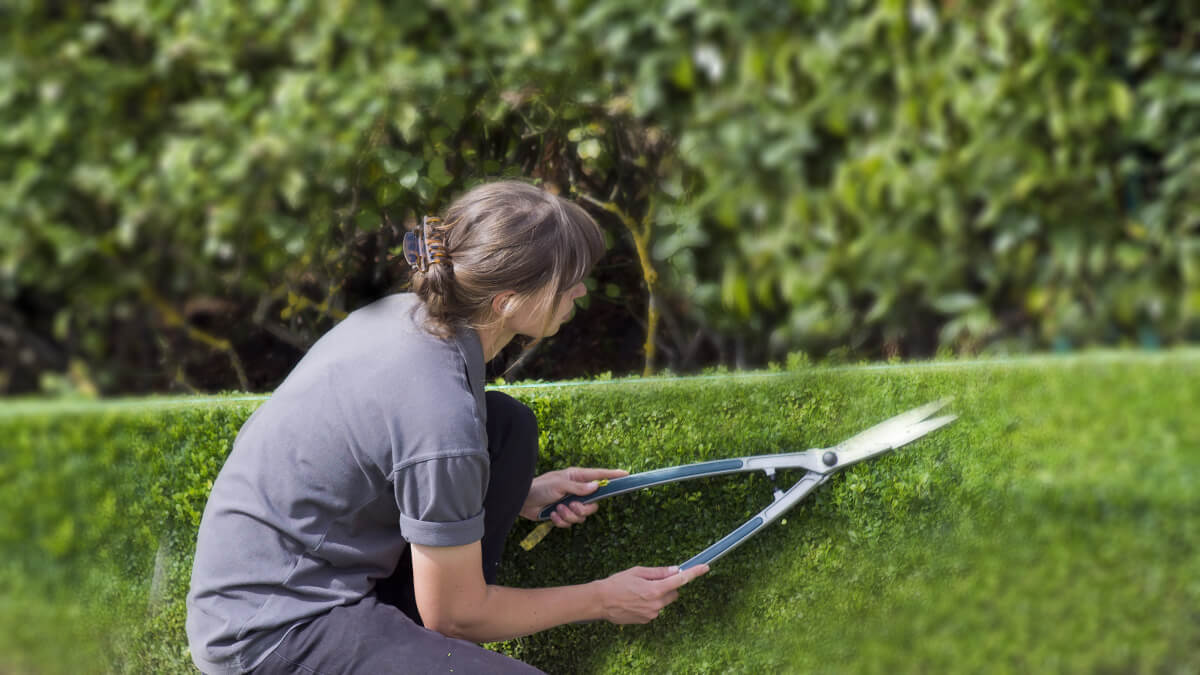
[641, 241]
[172, 318]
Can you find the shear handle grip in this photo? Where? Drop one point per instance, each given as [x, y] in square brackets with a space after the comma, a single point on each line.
[647, 479]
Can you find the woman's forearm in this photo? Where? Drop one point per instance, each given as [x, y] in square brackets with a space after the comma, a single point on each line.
[454, 599]
[507, 613]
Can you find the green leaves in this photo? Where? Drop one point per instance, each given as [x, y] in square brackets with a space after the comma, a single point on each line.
[1027, 507]
[821, 173]
[929, 170]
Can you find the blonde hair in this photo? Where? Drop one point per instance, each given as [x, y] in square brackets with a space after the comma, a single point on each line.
[505, 236]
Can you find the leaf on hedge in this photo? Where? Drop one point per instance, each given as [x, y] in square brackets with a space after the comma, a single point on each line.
[735, 292]
[425, 189]
[292, 188]
[438, 174]
[386, 193]
[589, 149]
[406, 121]
[394, 161]
[683, 75]
[955, 303]
[1121, 99]
[410, 173]
[367, 220]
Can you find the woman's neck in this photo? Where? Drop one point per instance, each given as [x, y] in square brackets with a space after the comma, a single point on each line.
[493, 339]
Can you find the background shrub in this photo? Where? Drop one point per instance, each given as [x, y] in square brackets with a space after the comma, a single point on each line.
[190, 195]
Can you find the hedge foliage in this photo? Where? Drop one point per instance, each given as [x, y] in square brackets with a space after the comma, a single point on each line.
[1050, 529]
[181, 182]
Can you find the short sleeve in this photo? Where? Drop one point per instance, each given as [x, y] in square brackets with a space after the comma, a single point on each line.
[441, 498]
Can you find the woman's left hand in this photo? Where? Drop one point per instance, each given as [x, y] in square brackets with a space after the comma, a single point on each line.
[554, 485]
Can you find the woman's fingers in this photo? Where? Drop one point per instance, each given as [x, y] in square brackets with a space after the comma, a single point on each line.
[562, 516]
[583, 510]
[676, 580]
[584, 475]
[572, 514]
[654, 573]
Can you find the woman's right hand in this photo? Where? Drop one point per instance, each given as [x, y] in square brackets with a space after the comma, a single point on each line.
[638, 594]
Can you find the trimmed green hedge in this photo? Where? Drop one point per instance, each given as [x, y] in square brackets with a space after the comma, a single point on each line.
[1052, 528]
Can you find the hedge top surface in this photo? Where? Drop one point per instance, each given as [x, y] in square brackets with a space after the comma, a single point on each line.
[21, 406]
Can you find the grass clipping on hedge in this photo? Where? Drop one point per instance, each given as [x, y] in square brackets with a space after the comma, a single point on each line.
[1051, 528]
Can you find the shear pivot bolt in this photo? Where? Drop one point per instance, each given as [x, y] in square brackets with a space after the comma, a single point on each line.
[830, 458]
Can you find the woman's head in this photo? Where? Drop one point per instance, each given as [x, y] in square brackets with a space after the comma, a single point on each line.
[512, 250]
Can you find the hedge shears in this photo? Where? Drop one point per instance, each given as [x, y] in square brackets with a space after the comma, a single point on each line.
[818, 464]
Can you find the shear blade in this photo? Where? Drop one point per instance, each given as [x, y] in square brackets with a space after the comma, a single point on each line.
[920, 429]
[893, 433]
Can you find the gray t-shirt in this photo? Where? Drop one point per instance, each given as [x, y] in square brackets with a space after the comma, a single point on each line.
[376, 439]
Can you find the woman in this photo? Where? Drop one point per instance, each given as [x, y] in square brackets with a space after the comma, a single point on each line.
[359, 521]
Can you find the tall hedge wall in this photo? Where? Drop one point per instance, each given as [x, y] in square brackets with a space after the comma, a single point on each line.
[183, 186]
[1050, 529]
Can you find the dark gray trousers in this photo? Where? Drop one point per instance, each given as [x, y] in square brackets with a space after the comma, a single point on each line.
[383, 633]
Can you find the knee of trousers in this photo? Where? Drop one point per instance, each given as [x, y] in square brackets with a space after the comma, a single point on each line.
[515, 423]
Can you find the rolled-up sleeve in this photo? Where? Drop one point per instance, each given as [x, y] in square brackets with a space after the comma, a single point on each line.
[440, 497]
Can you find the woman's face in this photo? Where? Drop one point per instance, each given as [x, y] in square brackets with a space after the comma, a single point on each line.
[532, 322]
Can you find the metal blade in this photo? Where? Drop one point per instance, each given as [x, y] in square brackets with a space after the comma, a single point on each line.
[891, 434]
[904, 419]
[918, 430]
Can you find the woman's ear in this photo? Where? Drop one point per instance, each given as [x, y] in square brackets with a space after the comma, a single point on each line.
[502, 303]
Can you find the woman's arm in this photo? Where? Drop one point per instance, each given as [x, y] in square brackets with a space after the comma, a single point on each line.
[454, 599]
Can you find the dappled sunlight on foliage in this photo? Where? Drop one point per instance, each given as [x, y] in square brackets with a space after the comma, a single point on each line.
[192, 193]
